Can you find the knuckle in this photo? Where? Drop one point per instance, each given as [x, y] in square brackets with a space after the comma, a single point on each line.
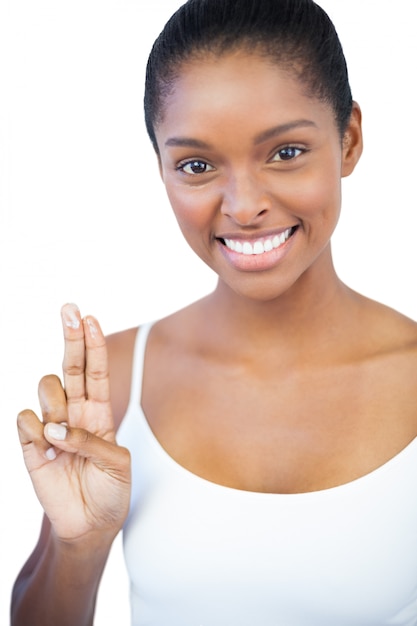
[29, 428]
[73, 369]
[80, 436]
[125, 455]
[23, 417]
[97, 373]
[48, 381]
[51, 412]
[52, 397]
[47, 413]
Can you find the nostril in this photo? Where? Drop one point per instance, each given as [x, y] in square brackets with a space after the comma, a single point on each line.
[246, 208]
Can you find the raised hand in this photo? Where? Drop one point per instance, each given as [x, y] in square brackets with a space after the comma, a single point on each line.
[80, 474]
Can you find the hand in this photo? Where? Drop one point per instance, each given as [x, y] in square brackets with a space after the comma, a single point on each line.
[80, 474]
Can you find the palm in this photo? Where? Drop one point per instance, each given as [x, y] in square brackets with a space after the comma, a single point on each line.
[81, 493]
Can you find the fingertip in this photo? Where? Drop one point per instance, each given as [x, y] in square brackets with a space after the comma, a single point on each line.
[50, 454]
[29, 427]
[92, 326]
[22, 417]
[49, 381]
[71, 316]
[56, 431]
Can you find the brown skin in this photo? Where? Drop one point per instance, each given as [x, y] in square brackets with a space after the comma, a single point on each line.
[282, 380]
[84, 491]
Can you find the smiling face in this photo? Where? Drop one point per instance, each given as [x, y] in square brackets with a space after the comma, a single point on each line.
[252, 167]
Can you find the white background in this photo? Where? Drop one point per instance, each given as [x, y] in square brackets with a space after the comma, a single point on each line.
[84, 217]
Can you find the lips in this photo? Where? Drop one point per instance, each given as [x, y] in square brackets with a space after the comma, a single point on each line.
[260, 245]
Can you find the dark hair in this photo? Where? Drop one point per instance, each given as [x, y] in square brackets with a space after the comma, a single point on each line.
[297, 34]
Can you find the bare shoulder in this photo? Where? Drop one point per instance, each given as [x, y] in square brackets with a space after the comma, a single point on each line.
[388, 369]
[387, 341]
[390, 329]
[120, 348]
[120, 353]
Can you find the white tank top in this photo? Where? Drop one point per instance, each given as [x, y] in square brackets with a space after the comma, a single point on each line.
[201, 554]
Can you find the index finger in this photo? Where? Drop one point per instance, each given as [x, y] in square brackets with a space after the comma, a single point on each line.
[74, 355]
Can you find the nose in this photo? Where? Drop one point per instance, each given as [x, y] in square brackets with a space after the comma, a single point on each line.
[245, 200]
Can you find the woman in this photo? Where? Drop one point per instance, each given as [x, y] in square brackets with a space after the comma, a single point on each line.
[269, 481]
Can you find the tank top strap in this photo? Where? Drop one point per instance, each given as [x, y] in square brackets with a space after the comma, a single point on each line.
[137, 363]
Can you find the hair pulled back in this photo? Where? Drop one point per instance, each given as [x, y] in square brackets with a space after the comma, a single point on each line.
[296, 34]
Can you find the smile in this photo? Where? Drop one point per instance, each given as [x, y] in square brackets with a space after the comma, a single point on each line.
[259, 246]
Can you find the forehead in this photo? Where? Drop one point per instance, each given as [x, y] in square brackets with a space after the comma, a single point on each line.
[241, 90]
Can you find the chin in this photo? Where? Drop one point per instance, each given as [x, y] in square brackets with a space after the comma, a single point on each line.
[260, 289]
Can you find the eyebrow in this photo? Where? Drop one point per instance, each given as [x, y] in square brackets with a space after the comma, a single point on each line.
[275, 131]
[281, 129]
[187, 142]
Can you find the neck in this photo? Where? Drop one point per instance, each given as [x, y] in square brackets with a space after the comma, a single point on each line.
[313, 310]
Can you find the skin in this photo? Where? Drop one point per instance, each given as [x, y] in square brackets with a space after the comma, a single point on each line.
[282, 380]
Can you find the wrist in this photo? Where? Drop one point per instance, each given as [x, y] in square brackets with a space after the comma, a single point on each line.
[90, 545]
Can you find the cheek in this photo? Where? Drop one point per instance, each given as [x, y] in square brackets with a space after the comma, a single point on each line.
[193, 208]
[317, 199]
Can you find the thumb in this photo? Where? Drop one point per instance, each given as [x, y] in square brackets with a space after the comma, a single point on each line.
[106, 455]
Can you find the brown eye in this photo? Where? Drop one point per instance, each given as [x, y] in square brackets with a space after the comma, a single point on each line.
[287, 153]
[195, 167]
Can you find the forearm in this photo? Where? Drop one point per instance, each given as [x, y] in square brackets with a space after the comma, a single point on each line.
[62, 586]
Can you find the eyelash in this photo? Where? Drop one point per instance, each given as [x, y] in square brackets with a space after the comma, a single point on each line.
[181, 167]
[197, 162]
[288, 148]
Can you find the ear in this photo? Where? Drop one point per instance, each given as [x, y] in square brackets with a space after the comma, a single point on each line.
[352, 141]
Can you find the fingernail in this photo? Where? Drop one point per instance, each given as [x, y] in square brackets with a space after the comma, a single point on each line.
[71, 316]
[50, 454]
[56, 431]
[92, 327]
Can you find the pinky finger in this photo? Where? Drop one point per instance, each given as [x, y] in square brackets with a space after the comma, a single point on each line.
[36, 449]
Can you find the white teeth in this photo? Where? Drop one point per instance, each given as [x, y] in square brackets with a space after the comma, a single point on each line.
[258, 247]
[247, 248]
[276, 241]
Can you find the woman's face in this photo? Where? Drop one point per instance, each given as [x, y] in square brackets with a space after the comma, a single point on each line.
[252, 167]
